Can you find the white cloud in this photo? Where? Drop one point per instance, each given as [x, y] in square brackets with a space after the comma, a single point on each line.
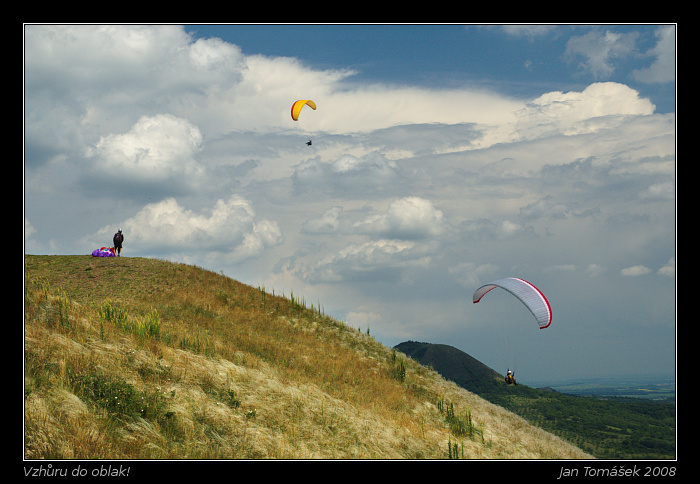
[215, 55]
[599, 51]
[493, 229]
[666, 190]
[347, 177]
[230, 228]
[471, 275]
[600, 106]
[663, 69]
[97, 56]
[409, 218]
[530, 31]
[156, 150]
[669, 269]
[635, 271]
[374, 261]
[28, 229]
[375, 107]
[328, 223]
[86, 81]
[544, 208]
[595, 270]
[362, 319]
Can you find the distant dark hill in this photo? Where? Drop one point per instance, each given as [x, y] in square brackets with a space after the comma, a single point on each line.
[454, 364]
[460, 364]
[463, 369]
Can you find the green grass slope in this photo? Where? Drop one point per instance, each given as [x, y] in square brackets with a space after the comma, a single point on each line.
[611, 428]
[130, 358]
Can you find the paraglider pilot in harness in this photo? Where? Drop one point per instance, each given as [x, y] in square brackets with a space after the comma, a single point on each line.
[510, 378]
[118, 239]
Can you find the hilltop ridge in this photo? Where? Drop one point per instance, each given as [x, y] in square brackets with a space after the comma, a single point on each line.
[132, 358]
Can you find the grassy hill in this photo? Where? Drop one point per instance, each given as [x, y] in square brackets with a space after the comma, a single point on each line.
[130, 358]
[611, 428]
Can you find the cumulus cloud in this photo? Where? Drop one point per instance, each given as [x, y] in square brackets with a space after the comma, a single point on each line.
[669, 269]
[544, 208]
[124, 54]
[89, 80]
[409, 218]
[422, 138]
[493, 229]
[28, 229]
[158, 150]
[404, 237]
[347, 177]
[471, 275]
[362, 319]
[663, 69]
[666, 190]
[595, 270]
[230, 227]
[635, 271]
[598, 51]
[328, 223]
[384, 261]
[601, 105]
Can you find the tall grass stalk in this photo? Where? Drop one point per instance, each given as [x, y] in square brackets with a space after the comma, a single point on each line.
[145, 327]
[460, 425]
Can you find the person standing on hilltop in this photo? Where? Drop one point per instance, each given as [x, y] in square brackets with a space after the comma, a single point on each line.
[118, 239]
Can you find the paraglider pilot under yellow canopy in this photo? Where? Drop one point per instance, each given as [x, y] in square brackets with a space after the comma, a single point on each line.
[510, 378]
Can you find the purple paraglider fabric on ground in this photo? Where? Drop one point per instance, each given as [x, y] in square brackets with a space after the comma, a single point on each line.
[103, 252]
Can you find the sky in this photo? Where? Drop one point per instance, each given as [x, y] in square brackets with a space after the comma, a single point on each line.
[443, 157]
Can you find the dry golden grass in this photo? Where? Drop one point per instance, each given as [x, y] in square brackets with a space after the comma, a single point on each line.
[232, 373]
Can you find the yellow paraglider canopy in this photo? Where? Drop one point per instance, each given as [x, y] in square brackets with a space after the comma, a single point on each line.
[296, 107]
